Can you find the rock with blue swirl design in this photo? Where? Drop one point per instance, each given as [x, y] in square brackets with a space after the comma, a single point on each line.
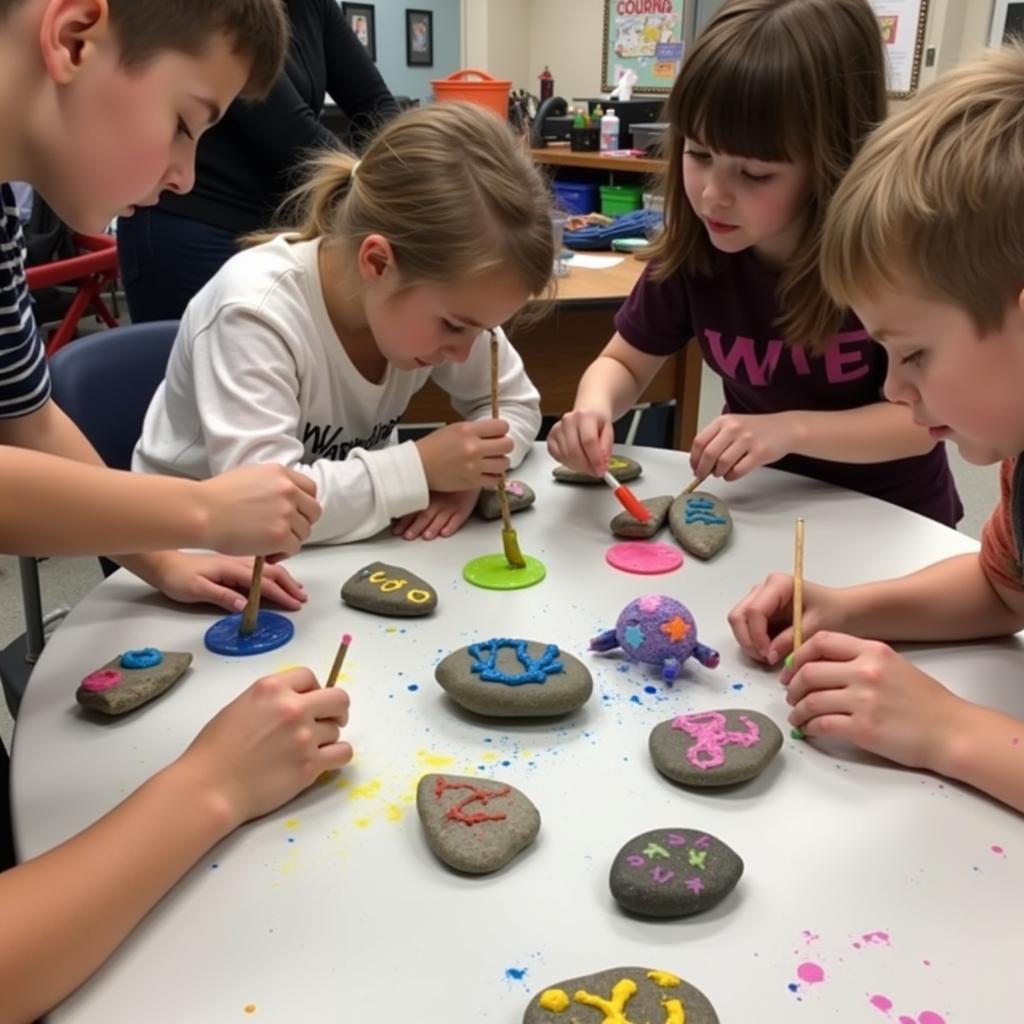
[503, 677]
[701, 523]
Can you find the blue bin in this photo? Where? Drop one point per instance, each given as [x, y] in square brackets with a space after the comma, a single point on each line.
[577, 197]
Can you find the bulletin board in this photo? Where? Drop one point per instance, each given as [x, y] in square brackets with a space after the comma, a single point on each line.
[645, 36]
[903, 24]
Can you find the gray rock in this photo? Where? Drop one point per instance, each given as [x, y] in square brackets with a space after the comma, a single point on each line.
[673, 872]
[475, 825]
[715, 748]
[136, 686]
[505, 678]
[622, 468]
[625, 525]
[640, 995]
[389, 590]
[520, 496]
[701, 523]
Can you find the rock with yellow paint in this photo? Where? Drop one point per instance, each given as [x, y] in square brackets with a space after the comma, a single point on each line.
[622, 468]
[475, 825]
[389, 590]
[715, 748]
[621, 995]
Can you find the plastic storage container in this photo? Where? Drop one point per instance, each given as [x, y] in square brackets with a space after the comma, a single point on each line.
[576, 196]
[609, 131]
[616, 199]
[490, 92]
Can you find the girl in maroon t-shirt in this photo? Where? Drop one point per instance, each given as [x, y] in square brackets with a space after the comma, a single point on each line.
[771, 105]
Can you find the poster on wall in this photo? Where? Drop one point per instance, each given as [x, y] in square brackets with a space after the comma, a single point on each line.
[646, 37]
[1007, 23]
[903, 24]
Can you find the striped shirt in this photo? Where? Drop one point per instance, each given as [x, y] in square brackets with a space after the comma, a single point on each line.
[24, 378]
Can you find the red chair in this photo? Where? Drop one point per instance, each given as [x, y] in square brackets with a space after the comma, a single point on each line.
[93, 271]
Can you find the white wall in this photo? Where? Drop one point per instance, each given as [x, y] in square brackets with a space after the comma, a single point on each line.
[566, 35]
[496, 39]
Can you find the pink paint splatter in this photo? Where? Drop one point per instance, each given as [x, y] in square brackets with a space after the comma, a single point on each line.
[997, 850]
[811, 973]
[927, 963]
[930, 1017]
[881, 1003]
[810, 937]
[907, 1020]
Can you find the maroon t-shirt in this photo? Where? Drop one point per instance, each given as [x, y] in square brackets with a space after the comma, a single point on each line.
[733, 314]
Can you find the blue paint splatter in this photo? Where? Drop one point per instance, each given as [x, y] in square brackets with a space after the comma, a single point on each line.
[413, 687]
[635, 700]
[213, 867]
[505, 764]
[291, 839]
[793, 987]
[515, 973]
[737, 686]
[650, 689]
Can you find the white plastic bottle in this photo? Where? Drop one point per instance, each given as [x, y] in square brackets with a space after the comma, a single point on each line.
[609, 130]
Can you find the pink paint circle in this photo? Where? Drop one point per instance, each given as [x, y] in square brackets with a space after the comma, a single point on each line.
[102, 679]
[811, 973]
[644, 558]
[881, 1003]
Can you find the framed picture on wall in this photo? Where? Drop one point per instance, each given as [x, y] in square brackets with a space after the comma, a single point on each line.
[1007, 22]
[646, 38]
[903, 24]
[419, 38]
[363, 22]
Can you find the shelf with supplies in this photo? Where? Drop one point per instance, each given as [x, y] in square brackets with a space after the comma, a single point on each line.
[560, 155]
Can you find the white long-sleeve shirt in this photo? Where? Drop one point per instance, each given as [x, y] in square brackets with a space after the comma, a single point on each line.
[258, 374]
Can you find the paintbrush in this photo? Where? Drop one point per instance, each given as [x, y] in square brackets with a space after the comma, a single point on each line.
[509, 540]
[252, 606]
[339, 660]
[798, 603]
[636, 508]
[696, 483]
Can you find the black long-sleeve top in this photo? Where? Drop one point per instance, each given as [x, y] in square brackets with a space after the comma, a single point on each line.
[246, 164]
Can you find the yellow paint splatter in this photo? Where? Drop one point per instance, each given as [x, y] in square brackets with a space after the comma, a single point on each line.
[363, 822]
[341, 783]
[292, 823]
[489, 758]
[391, 629]
[250, 1008]
[287, 668]
[367, 791]
[394, 812]
[432, 760]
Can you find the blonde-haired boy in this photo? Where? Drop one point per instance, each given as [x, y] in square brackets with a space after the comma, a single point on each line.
[924, 241]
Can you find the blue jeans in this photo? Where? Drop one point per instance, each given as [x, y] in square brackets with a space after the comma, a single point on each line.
[165, 259]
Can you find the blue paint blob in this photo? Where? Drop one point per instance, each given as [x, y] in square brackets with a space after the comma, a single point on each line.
[737, 686]
[272, 631]
[635, 700]
[291, 839]
[793, 987]
[143, 657]
[650, 689]
[505, 764]
[515, 973]
[412, 687]
[213, 867]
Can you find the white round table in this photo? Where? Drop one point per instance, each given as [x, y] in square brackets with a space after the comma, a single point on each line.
[897, 884]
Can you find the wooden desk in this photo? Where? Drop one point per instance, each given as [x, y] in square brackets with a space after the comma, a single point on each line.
[558, 348]
[559, 155]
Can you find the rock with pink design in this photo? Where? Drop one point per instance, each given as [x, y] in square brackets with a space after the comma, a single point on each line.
[520, 496]
[674, 872]
[131, 680]
[715, 748]
[657, 630]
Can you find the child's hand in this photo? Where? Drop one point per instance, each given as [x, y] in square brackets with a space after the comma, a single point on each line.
[446, 512]
[269, 744]
[763, 621]
[466, 455]
[864, 692]
[259, 510]
[582, 440]
[220, 580]
[731, 446]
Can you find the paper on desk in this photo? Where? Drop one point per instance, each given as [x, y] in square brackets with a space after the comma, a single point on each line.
[591, 262]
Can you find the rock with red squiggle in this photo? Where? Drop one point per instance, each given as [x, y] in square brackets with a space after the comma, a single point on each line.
[475, 825]
[715, 748]
[674, 872]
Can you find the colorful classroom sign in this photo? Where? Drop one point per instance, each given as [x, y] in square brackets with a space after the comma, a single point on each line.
[646, 37]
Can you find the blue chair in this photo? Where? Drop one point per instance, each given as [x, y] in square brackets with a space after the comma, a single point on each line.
[104, 382]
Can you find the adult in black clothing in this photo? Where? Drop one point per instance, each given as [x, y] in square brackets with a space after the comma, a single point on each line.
[247, 164]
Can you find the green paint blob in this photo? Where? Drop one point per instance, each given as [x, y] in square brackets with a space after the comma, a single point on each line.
[492, 572]
[796, 734]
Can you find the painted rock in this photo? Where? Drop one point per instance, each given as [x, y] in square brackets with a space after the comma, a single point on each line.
[626, 525]
[621, 995]
[520, 496]
[715, 748]
[673, 872]
[389, 590]
[509, 678]
[131, 680]
[620, 467]
[657, 630]
[701, 523]
[475, 825]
